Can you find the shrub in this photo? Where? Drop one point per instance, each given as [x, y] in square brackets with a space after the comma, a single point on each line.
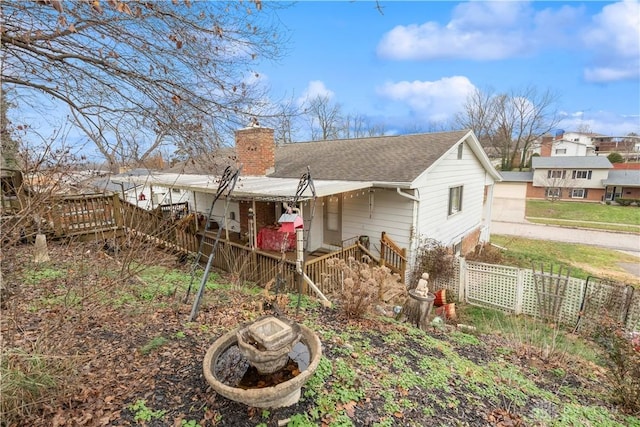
[622, 362]
[363, 285]
[434, 258]
[615, 158]
[486, 253]
[624, 202]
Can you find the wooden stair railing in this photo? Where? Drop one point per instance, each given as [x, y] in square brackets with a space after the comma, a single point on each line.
[393, 256]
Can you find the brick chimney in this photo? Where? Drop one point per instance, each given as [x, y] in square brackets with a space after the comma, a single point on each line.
[255, 149]
[546, 146]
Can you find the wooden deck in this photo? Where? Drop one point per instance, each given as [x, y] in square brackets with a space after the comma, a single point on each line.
[93, 215]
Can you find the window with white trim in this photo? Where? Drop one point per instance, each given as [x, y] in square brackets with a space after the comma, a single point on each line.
[561, 151]
[553, 192]
[581, 174]
[578, 193]
[455, 200]
[460, 150]
[556, 173]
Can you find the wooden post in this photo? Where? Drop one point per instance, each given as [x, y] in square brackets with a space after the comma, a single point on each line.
[117, 211]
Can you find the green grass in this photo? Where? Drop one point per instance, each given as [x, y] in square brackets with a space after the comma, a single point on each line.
[586, 224]
[583, 211]
[526, 253]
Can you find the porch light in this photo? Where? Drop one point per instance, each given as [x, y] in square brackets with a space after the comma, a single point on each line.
[289, 222]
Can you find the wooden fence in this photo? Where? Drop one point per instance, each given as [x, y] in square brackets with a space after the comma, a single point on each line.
[93, 215]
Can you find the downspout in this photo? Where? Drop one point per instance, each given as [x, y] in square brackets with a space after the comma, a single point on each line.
[416, 231]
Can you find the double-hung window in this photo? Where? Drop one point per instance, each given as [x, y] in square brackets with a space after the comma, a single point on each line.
[556, 173]
[581, 174]
[578, 193]
[455, 200]
[553, 192]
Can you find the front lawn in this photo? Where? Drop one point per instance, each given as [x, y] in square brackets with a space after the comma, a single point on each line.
[582, 260]
[583, 211]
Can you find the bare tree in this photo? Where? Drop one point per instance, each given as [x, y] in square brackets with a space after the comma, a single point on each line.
[285, 123]
[508, 124]
[170, 70]
[324, 118]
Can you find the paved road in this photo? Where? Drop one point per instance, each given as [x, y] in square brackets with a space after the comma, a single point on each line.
[606, 239]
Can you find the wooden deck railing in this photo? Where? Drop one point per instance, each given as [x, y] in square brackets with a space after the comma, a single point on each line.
[84, 214]
[393, 256]
[75, 215]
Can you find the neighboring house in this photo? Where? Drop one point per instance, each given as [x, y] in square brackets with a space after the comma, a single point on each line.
[567, 144]
[571, 178]
[142, 193]
[624, 183]
[410, 187]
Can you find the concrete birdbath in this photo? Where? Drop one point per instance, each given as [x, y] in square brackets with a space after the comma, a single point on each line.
[263, 364]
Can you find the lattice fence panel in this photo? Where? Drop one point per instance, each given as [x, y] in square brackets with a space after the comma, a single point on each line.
[570, 306]
[451, 284]
[494, 285]
[605, 297]
[633, 317]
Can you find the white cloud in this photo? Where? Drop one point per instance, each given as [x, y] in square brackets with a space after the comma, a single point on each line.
[614, 39]
[435, 101]
[314, 89]
[603, 122]
[477, 30]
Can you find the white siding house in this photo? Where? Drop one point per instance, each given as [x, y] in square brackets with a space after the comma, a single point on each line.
[409, 187]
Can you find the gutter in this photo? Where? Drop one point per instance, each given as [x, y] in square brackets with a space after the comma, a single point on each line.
[407, 195]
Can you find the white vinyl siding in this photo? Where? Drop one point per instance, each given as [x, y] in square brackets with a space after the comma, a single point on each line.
[383, 210]
[202, 205]
[434, 220]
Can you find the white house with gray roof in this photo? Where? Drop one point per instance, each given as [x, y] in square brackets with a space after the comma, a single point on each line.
[572, 177]
[437, 185]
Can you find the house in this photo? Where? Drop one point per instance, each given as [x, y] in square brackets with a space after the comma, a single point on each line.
[409, 187]
[567, 144]
[140, 193]
[572, 177]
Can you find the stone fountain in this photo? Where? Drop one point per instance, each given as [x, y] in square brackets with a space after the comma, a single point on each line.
[263, 364]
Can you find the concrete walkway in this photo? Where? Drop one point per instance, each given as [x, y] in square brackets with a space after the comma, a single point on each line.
[626, 242]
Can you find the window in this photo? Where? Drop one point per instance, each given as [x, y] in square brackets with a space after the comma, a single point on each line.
[175, 190]
[455, 200]
[456, 248]
[578, 193]
[556, 173]
[561, 151]
[460, 148]
[581, 175]
[553, 193]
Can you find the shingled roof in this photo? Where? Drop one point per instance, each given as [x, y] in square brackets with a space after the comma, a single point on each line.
[383, 158]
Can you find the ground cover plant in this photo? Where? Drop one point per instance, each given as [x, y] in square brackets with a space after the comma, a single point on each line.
[583, 214]
[581, 260]
[93, 348]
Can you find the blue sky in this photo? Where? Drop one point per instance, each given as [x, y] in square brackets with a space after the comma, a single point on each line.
[417, 61]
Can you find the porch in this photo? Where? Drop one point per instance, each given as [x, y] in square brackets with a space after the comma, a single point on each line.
[106, 216]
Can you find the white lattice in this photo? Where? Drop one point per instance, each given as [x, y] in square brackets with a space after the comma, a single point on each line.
[494, 285]
[514, 290]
